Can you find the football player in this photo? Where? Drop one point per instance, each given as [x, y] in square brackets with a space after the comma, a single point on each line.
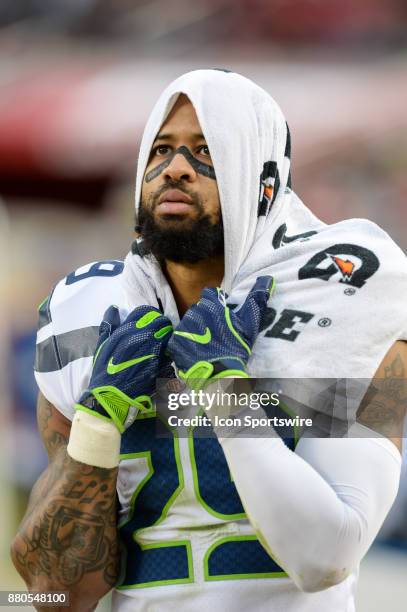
[231, 276]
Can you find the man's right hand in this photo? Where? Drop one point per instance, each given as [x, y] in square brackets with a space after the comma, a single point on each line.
[212, 341]
[128, 359]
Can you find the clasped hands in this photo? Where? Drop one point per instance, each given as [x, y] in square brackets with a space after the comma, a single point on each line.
[211, 342]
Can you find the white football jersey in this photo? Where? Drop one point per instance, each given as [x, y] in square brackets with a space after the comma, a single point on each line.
[188, 542]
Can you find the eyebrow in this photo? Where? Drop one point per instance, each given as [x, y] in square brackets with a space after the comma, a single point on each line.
[196, 136]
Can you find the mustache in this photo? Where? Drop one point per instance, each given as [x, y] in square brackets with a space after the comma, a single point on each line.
[154, 197]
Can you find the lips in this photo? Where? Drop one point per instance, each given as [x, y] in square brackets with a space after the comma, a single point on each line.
[175, 195]
[174, 201]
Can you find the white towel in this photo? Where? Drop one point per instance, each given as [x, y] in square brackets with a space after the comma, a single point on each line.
[341, 290]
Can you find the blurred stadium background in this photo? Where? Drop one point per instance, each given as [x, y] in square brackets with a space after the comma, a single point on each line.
[77, 81]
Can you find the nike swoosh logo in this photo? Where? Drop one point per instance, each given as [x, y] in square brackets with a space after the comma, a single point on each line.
[280, 238]
[114, 368]
[200, 338]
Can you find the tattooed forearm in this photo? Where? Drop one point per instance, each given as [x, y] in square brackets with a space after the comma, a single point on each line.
[385, 404]
[68, 537]
[72, 531]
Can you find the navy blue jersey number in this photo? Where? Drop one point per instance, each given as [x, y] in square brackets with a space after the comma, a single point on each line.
[157, 564]
[109, 267]
[170, 562]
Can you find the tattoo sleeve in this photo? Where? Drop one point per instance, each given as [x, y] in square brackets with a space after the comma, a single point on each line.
[69, 532]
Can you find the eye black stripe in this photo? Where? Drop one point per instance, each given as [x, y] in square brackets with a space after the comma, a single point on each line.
[198, 166]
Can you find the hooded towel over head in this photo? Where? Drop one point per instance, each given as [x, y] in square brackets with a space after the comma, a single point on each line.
[337, 307]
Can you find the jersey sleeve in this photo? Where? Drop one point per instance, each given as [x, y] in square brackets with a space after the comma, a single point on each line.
[63, 362]
[68, 330]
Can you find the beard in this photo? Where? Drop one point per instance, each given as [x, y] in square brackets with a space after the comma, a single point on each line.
[187, 241]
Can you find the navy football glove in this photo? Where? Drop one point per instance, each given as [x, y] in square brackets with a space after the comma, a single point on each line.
[213, 341]
[128, 359]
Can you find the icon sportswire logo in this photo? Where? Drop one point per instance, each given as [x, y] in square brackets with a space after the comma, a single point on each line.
[114, 368]
[200, 338]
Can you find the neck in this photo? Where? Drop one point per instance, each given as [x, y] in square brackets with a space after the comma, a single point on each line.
[188, 280]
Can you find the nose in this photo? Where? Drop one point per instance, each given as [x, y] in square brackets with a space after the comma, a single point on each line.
[180, 169]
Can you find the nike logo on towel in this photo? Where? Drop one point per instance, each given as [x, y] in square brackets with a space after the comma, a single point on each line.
[280, 237]
[200, 338]
[114, 368]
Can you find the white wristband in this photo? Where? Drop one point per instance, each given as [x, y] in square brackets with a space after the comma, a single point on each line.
[94, 441]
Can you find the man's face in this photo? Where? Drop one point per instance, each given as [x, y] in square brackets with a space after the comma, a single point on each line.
[180, 217]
